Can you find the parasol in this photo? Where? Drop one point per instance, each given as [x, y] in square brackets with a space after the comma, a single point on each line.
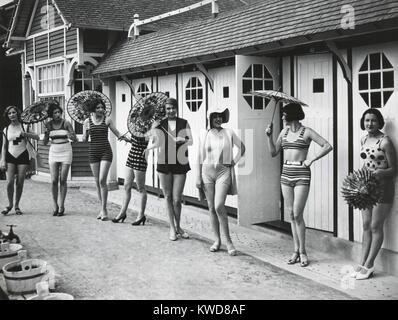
[80, 104]
[145, 111]
[37, 111]
[361, 189]
[278, 96]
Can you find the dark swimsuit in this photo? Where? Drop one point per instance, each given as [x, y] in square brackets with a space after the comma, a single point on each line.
[136, 159]
[294, 173]
[99, 148]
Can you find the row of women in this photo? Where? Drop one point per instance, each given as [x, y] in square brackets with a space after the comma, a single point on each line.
[215, 171]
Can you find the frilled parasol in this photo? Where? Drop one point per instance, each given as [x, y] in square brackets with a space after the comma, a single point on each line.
[361, 189]
[82, 103]
[145, 111]
[38, 111]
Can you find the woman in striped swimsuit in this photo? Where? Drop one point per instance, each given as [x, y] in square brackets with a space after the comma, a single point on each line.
[295, 140]
[136, 169]
[60, 155]
[100, 151]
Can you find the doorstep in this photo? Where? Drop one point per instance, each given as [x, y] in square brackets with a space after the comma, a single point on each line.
[270, 246]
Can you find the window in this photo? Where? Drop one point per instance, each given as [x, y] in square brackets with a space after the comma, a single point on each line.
[51, 79]
[318, 85]
[257, 77]
[123, 97]
[194, 94]
[226, 92]
[376, 80]
[143, 90]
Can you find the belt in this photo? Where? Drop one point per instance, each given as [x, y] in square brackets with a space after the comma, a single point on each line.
[296, 163]
[60, 142]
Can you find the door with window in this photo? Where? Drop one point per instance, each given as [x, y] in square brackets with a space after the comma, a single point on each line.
[315, 87]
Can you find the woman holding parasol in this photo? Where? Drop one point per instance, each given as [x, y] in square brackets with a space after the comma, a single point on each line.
[378, 153]
[60, 132]
[15, 157]
[100, 151]
[142, 115]
[172, 137]
[295, 140]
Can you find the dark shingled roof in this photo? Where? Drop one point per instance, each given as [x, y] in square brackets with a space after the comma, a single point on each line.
[118, 14]
[263, 22]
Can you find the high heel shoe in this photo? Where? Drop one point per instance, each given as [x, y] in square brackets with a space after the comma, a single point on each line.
[138, 222]
[367, 275]
[6, 210]
[231, 250]
[294, 258]
[61, 212]
[121, 218]
[356, 271]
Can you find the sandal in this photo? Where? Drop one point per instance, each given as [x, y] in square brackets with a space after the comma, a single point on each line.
[295, 258]
[303, 260]
[6, 210]
[18, 211]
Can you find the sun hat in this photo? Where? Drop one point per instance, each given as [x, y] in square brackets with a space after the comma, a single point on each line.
[224, 111]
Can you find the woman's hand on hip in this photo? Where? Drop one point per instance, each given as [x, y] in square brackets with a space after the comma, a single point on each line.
[307, 163]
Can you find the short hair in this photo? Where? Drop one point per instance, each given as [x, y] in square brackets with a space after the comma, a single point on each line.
[377, 113]
[52, 108]
[172, 101]
[5, 114]
[93, 103]
[293, 111]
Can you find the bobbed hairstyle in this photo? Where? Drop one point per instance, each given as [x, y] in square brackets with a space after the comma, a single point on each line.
[293, 111]
[377, 113]
[7, 110]
[52, 108]
[93, 103]
[172, 101]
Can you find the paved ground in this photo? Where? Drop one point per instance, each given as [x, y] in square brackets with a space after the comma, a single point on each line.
[103, 260]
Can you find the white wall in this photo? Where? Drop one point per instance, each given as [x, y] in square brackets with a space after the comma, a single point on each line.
[390, 113]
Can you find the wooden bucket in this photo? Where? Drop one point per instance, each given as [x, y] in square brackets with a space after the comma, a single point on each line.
[21, 277]
[8, 253]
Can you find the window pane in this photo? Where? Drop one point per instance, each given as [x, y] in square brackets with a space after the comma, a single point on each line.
[375, 81]
[247, 86]
[200, 94]
[268, 85]
[386, 96]
[187, 94]
[248, 73]
[249, 100]
[386, 63]
[365, 97]
[193, 94]
[258, 71]
[364, 66]
[193, 106]
[318, 85]
[375, 98]
[199, 84]
[388, 79]
[266, 73]
[258, 85]
[225, 92]
[193, 83]
[363, 81]
[375, 61]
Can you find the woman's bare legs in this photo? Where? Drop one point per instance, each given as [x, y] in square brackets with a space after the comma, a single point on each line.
[140, 181]
[215, 224]
[63, 185]
[379, 215]
[103, 177]
[178, 188]
[288, 201]
[54, 172]
[166, 182]
[95, 169]
[300, 199]
[21, 173]
[366, 236]
[221, 190]
[128, 184]
[11, 171]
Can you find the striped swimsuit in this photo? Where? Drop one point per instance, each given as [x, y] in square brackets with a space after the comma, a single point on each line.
[99, 148]
[294, 173]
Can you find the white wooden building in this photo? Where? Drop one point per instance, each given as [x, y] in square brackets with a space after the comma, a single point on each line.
[340, 60]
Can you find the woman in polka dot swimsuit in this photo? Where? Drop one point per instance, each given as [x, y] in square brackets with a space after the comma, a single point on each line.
[378, 154]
